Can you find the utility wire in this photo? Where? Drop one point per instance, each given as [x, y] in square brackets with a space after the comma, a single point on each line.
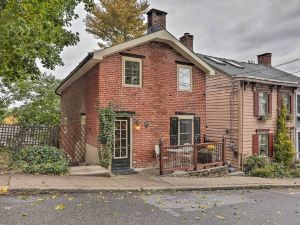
[296, 72]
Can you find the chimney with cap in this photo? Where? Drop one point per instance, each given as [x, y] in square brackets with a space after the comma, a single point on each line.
[156, 20]
[188, 40]
[265, 59]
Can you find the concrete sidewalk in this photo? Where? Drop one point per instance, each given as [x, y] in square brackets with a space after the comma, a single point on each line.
[134, 182]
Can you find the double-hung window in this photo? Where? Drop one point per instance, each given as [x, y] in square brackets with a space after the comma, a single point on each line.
[286, 101]
[263, 144]
[263, 103]
[132, 72]
[185, 131]
[184, 77]
[298, 104]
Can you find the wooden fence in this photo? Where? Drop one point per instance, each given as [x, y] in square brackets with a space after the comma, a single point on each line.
[18, 136]
[70, 139]
[191, 157]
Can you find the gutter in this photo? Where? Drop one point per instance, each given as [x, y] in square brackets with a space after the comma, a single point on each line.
[251, 78]
[85, 60]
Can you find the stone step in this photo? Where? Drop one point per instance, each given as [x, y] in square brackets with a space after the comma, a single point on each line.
[95, 170]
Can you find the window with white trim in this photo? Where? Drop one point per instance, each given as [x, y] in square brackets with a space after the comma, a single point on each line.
[132, 72]
[184, 77]
[298, 104]
[263, 103]
[263, 144]
[286, 101]
[185, 130]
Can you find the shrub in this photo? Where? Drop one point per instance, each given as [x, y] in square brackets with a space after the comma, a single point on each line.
[253, 162]
[41, 160]
[295, 172]
[270, 170]
[5, 158]
[283, 147]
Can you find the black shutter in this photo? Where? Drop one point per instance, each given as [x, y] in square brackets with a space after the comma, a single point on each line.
[174, 131]
[197, 130]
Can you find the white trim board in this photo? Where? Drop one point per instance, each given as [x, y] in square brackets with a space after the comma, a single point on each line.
[160, 36]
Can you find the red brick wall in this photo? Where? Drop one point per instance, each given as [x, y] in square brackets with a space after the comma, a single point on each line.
[156, 101]
[82, 97]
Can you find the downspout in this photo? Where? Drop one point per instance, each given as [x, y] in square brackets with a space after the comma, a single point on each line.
[242, 129]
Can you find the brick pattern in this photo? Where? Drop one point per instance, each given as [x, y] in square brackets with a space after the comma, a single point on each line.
[82, 97]
[156, 101]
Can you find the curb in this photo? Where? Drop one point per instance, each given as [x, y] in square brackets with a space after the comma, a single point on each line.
[153, 189]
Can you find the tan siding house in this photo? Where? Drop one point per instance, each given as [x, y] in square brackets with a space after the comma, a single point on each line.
[243, 103]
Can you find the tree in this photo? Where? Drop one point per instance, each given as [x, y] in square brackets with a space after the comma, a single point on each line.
[33, 31]
[40, 105]
[117, 21]
[283, 148]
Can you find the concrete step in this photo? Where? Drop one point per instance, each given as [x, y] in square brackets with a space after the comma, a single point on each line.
[96, 170]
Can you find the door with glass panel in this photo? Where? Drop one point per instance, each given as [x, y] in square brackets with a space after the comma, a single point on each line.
[121, 150]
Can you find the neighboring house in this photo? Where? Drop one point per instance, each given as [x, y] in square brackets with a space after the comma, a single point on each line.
[242, 104]
[297, 123]
[157, 78]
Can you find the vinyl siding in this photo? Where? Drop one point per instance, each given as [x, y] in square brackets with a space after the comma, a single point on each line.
[222, 112]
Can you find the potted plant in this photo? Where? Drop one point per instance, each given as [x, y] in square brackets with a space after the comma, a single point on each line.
[264, 117]
[289, 117]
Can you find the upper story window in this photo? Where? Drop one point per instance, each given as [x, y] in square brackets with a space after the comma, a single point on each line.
[298, 104]
[263, 103]
[132, 72]
[184, 77]
[286, 101]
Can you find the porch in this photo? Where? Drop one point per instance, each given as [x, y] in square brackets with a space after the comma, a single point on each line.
[191, 157]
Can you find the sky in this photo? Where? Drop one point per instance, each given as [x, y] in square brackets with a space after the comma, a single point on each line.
[233, 29]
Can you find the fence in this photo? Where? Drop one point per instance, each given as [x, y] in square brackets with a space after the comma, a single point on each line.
[191, 157]
[18, 136]
[70, 138]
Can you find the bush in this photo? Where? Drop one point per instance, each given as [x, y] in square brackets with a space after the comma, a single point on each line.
[41, 160]
[253, 162]
[271, 170]
[5, 158]
[295, 173]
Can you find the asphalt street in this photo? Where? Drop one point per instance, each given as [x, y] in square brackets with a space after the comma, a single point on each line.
[259, 207]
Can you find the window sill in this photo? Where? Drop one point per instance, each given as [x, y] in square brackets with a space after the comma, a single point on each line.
[264, 117]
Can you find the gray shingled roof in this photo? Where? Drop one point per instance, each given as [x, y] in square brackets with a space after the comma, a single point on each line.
[250, 70]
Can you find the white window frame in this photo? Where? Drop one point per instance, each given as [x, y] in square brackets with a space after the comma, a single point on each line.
[179, 66]
[185, 117]
[114, 155]
[263, 133]
[132, 59]
[297, 113]
[267, 103]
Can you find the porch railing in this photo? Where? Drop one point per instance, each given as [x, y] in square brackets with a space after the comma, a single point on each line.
[191, 157]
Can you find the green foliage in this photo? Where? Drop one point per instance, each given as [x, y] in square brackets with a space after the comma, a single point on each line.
[40, 105]
[107, 123]
[253, 162]
[5, 158]
[117, 21]
[41, 160]
[271, 170]
[34, 31]
[283, 148]
[295, 172]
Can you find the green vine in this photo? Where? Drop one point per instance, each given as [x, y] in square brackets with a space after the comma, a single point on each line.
[107, 123]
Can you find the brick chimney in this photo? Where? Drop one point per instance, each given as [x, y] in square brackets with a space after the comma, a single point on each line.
[188, 40]
[265, 59]
[156, 20]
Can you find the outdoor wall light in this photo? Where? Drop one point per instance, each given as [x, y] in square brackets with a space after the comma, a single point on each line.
[137, 125]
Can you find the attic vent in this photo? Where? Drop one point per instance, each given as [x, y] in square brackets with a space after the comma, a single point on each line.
[234, 64]
[215, 60]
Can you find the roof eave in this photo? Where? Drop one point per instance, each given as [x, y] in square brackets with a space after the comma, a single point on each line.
[267, 81]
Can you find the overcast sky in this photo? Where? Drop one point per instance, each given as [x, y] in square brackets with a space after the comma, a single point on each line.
[235, 29]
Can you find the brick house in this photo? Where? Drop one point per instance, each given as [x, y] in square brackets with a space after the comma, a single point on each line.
[156, 77]
[242, 104]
